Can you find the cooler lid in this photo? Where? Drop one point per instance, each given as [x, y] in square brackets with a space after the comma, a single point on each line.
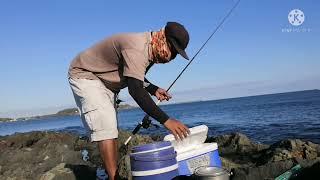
[197, 151]
[198, 135]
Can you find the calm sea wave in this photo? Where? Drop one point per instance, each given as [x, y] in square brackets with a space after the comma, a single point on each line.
[265, 119]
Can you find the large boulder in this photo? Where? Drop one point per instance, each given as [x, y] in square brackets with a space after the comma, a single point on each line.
[290, 149]
[236, 143]
[237, 150]
[51, 155]
[29, 155]
[60, 172]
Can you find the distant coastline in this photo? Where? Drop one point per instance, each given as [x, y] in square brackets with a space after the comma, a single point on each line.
[74, 111]
[6, 119]
[64, 112]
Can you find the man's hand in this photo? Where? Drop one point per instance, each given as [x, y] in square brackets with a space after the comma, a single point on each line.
[178, 129]
[162, 94]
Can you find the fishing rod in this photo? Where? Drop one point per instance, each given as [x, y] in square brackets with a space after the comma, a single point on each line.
[146, 122]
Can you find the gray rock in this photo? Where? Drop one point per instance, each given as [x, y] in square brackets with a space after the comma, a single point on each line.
[236, 143]
[289, 149]
[60, 172]
[229, 164]
[42, 154]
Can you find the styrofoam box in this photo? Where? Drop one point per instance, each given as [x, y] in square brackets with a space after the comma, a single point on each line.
[192, 152]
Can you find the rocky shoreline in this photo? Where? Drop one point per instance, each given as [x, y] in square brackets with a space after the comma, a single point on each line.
[56, 156]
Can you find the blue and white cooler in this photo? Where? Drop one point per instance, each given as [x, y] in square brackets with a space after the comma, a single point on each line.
[156, 161]
[193, 153]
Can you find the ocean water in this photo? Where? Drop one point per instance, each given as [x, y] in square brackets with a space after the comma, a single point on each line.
[264, 119]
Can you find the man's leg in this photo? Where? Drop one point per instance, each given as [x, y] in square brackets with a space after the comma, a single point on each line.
[98, 114]
[109, 154]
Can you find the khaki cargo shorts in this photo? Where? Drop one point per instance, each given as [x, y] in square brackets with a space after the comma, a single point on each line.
[97, 108]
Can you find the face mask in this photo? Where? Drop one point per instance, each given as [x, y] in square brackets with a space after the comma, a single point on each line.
[160, 48]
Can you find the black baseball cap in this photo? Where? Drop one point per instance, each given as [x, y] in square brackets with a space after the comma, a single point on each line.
[178, 37]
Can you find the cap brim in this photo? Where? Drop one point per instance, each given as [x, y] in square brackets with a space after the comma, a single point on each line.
[178, 49]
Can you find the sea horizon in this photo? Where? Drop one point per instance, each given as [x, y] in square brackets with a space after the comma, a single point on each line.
[165, 103]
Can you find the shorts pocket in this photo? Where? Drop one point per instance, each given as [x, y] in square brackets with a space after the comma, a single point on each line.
[92, 119]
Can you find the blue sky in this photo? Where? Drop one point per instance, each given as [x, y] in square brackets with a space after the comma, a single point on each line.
[249, 55]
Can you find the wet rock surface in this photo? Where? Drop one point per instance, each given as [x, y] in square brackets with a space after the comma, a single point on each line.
[53, 156]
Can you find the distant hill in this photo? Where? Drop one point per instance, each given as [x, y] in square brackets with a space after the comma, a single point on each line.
[5, 119]
[68, 112]
[125, 106]
[64, 112]
[75, 111]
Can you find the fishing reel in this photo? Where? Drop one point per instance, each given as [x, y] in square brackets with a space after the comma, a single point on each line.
[118, 101]
[146, 123]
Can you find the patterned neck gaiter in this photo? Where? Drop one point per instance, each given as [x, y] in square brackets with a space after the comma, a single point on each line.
[160, 50]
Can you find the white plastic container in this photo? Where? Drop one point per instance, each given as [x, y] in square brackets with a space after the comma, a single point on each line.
[193, 153]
